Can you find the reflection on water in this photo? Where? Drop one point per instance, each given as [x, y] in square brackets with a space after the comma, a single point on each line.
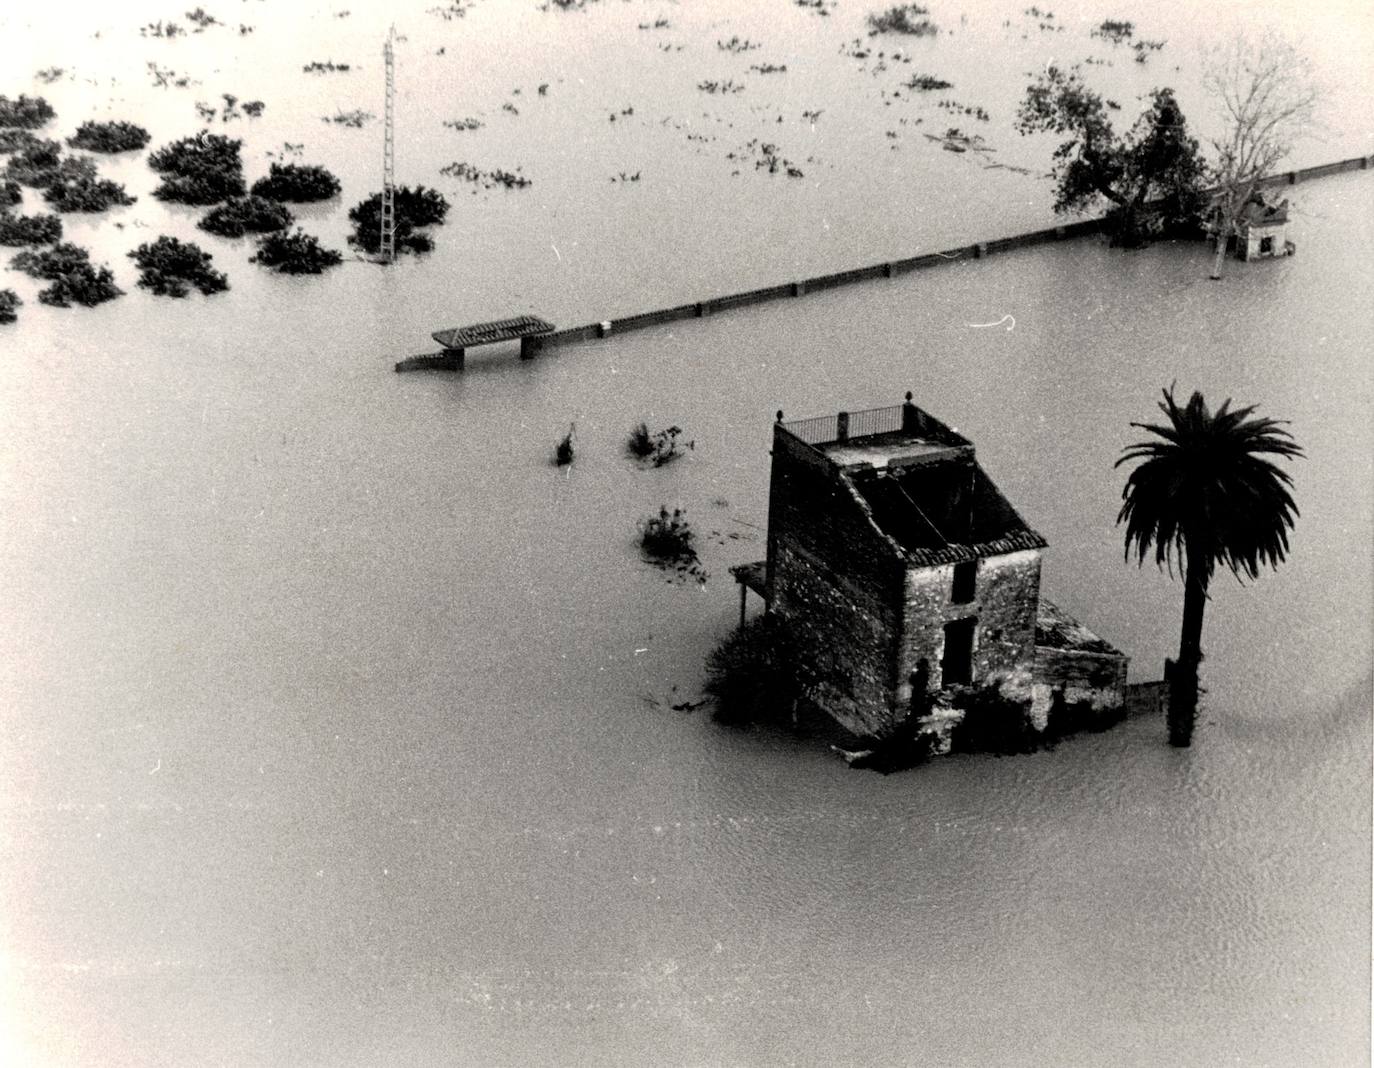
[338, 724]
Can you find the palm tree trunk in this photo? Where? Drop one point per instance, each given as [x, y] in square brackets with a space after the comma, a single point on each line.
[1183, 686]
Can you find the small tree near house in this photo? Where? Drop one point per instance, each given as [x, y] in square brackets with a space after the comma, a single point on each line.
[1266, 99]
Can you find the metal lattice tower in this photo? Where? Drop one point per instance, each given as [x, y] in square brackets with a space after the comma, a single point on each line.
[388, 243]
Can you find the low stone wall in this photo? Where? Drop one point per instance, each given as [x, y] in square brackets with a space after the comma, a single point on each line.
[1094, 679]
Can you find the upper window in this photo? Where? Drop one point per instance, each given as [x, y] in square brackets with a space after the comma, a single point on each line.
[965, 582]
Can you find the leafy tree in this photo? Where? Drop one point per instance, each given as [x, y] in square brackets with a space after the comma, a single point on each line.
[1266, 97]
[246, 215]
[9, 305]
[296, 253]
[29, 112]
[1153, 175]
[204, 169]
[86, 193]
[29, 229]
[170, 268]
[414, 208]
[74, 278]
[1206, 495]
[109, 137]
[296, 183]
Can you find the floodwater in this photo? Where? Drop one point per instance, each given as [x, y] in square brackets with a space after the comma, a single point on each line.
[338, 725]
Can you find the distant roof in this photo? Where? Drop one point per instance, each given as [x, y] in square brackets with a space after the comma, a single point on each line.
[1257, 213]
[460, 337]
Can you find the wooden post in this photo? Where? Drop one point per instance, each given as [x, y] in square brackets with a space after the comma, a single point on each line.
[529, 346]
[842, 426]
[743, 596]
[910, 416]
[888, 270]
[454, 359]
[798, 289]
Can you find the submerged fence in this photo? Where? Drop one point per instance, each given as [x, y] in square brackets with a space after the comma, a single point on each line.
[888, 269]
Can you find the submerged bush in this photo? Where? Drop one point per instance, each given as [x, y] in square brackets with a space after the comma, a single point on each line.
[667, 540]
[30, 112]
[9, 305]
[41, 163]
[171, 268]
[10, 194]
[993, 723]
[297, 253]
[661, 447]
[86, 194]
[903, 18]
[15, 140]
[203, 169]
[414, 208]
[756, 675]
[563, 451]
[109, 137]
[297, 183]
[74, 279]
[246, 215]
[29, 229]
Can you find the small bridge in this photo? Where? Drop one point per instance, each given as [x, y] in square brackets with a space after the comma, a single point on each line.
[458, 339]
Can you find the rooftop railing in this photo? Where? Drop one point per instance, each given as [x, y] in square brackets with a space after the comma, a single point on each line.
[869, 423]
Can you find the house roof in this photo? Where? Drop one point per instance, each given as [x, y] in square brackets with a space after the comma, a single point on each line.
[943, 512]
[1056, 629]
[1257, 213]
[461, 337]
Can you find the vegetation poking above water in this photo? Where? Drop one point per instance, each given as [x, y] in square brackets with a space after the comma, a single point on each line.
[42, 163]
[355, 119]
[11, 193]
[74, 279]
[295, 253]
[661, 447]
[1114, 30]
[563, 451]
[202, 169]
[463, 124]
[246, 215]
[667, 540]
[925, 83]
[109, 137]
[903, 18]
[86, 193]
[327, 67]
[755, 675]
[29, 229]
[486, 179]
[296, 183]
[9, 305]
[15, 140]
[415, 208]
[28, 112]
[172, 268]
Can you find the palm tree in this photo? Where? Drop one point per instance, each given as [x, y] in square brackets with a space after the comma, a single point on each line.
[1206, 495]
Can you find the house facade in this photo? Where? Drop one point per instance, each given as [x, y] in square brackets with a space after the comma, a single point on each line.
[910, 583]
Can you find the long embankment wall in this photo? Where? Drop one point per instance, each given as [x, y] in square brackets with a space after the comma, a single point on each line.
[890, 269]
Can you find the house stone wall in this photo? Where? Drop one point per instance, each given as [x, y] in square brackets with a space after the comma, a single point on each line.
[1006, 596]
[836, 579]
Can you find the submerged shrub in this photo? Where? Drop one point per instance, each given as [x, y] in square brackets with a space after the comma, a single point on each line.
[563, 451]
[296, 253]
[661, 447]
[667, 540]
[10, 194]
[15, 140]
[414, 208]
[41, 163]
[86, 193]
[903, 18]
[109, 137]
[296, 183]
[74, 279]
[9, 305]
[29, 229]
[246, 215]
[29, 112]
[203, 169]
[171, 268]
[993, 723]
[756, 675]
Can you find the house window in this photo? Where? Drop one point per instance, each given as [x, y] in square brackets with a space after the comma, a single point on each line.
[1266, 246]
[956, 667]
[965, 582]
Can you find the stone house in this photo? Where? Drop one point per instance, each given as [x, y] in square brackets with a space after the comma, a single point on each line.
[910, 583]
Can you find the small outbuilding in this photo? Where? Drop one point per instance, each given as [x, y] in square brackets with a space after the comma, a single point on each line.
[1262, 230]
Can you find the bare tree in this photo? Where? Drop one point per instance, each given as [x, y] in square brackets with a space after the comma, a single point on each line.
[1266, 96]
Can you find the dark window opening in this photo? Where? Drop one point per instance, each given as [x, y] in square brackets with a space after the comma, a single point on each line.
[1266, 246]
[965, 581]
[956, 667]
